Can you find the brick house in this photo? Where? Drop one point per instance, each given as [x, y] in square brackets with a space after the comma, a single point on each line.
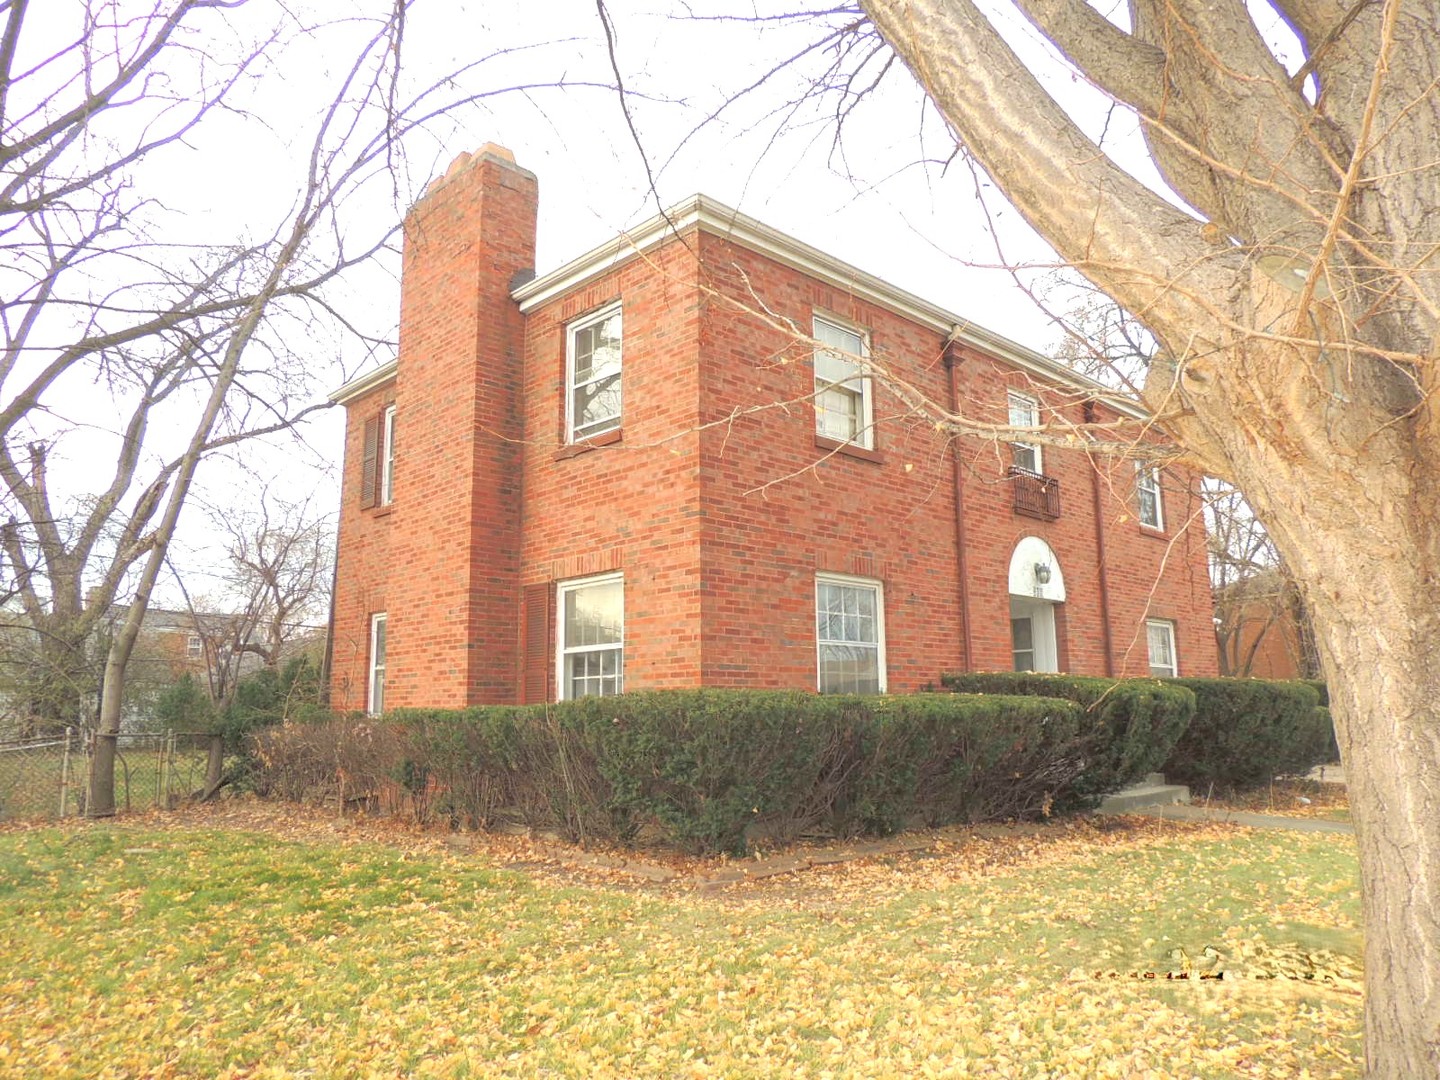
[639, 471]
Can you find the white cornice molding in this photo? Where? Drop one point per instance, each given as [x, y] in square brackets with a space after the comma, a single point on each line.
[363, 384]
[730, 224]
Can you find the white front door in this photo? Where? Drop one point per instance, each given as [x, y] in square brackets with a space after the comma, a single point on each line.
[1032, 635]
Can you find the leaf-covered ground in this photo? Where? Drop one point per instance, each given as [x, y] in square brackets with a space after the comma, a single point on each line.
[292, 948]
[1285, 798]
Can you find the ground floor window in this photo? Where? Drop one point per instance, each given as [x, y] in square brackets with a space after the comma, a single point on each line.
[1160, 633]
[591, 643]
[375, 704]
[849, 635]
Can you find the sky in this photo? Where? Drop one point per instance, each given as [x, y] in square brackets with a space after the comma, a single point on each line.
[883, 189]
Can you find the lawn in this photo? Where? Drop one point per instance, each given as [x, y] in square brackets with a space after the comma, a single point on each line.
[139, 950]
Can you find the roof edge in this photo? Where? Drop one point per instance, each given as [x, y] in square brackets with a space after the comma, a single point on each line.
[363, 384]
[730, 224]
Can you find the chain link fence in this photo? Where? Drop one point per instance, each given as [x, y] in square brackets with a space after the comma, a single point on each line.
[50, 777]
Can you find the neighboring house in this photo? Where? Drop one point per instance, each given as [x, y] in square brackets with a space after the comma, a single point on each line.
[215, 648]
[1262, 629]
[206, 646]
[171, 644]
[174, 643]
[638, 472]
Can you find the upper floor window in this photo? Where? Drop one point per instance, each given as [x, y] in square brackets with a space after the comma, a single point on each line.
[194, 647]
[1024, 412]
[387, 456]
[591, 643]
[1160, 635]
[377, 464]
[849, 635]
[843, 407]
[592, 375]
[1147, 497]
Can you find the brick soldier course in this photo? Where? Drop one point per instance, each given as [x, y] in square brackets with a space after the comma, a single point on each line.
[713, 500]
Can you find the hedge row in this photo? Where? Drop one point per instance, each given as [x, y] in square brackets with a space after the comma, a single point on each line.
[1242, 732]
[1131, 724]
[1248, 731]
[1332, 749]
[710, 770]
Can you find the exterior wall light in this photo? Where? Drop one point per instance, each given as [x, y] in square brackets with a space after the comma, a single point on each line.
[1042, 573]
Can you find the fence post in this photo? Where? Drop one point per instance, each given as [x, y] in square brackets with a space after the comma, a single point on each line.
[65, 772]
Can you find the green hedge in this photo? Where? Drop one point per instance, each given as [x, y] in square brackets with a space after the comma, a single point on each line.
[934, 759]
[1247, 731]
[710, 770]
[1332, 747]
[1130, 729]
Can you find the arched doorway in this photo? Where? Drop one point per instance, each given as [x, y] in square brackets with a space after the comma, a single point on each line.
[1036, 586]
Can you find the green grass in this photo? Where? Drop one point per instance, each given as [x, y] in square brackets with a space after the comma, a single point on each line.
[165, 953]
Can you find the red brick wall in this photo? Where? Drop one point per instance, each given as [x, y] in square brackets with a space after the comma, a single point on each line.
[1159, 575]
[632, 505]
[451, 618]
[1148, 574]
[778, 508]
[363, 560]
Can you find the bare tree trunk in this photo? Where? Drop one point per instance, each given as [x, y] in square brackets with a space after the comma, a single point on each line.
[214, 768]
[1385, 697]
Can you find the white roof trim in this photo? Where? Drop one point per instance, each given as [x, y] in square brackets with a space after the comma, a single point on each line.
[726, 222]
[364, 383]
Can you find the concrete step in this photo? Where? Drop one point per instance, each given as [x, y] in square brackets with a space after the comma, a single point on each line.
[1152, 791]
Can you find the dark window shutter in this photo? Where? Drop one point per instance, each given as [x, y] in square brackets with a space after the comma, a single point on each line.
[535, 687]
[369, 463]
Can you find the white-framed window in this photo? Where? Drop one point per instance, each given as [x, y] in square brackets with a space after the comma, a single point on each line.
[375, 685]
[1147, 497]
[194, 647]
[387, 456]
[1022, 642]
[1160, 635]
[592, 374]
[590, 647]
[843, 407]
[849, 635]
[1024, 412]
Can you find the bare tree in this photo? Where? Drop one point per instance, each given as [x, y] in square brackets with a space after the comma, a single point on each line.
[273, 594]
[282, 558]
[198, 344]
[1257, 602]
[1287, 278]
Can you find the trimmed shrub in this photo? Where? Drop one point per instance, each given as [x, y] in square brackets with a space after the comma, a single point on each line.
[1332, 748]
[1248, 731]
[338, 759]
[1130, 727]
[709, 770]
[934, 759]
[705, 766]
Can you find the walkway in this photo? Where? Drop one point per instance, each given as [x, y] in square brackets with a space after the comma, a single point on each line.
[1183, 812]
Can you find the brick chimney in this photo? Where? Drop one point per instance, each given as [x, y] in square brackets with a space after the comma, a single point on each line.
[454, 593]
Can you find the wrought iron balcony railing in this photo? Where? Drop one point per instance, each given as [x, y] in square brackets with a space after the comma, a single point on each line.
[1036, 495]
